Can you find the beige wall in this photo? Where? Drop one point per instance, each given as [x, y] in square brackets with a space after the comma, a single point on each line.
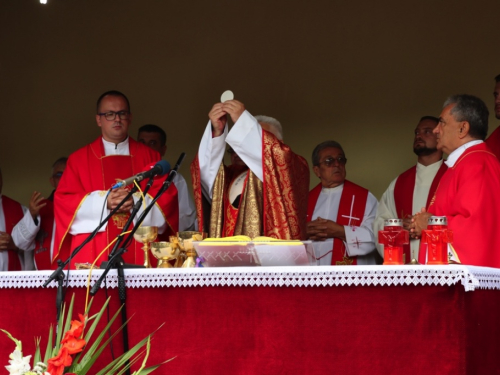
[360, 72]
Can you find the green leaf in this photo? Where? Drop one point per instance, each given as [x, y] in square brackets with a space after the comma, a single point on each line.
[146, 356]
[152, 368]
[114, 366]
[95, 351]
[36, 357]
[19, 344]
[48, 350]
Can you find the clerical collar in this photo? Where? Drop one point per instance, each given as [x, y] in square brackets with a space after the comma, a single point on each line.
[332, 190]
[121, 148]
[453, 157]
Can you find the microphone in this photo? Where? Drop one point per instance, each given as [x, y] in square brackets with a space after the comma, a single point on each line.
[161, 168]
[173, 172]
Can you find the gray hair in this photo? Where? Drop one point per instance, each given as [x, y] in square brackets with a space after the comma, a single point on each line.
[273, 123]
[321, 147]
[471, 109]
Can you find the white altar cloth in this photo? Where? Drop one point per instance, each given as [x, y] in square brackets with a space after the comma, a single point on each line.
[470, 277]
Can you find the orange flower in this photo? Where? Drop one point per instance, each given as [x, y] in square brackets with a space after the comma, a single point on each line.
[57, 364]
[76, 329]
[74, 345]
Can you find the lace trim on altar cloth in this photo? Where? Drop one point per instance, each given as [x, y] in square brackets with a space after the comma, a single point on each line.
[470, 277]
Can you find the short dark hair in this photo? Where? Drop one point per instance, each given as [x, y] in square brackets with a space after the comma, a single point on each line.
[322, 146]
[497, 78]
[151, 128]
[431, 118]
[112, 93]
[61, 160]
[473, 110]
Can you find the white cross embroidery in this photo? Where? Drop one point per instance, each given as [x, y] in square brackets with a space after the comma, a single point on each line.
[350, 217]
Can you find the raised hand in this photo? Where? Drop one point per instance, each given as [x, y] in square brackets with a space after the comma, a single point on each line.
[37, 202]
[218, 119]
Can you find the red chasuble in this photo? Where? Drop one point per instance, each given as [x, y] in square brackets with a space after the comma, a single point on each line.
[403, 196]
[468, 195]
[286, 183]
[351, 212]
[13, 213]
[88, 170]
[493, 142]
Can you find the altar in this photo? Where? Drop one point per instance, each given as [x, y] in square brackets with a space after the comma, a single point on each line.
[410, 319]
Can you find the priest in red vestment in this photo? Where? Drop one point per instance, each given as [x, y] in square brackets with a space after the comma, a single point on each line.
[35, 232]
[264, 196]
[468, 194]
[493, 141]
[414, 188]
[340, 213]
[84, 198]
[11, 258]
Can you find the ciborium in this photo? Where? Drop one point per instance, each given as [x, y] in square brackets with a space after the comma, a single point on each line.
[188, 251]
[164, 252]
[146, 235]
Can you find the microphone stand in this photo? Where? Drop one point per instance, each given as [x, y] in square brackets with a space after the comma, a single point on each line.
[118, 263]
[59, 275]
[115, 255]
[120, 251]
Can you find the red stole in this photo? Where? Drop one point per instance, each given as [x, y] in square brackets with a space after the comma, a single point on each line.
[351, 212]
[403, 196]
[43, 239]
[13, 213]
[113, 167]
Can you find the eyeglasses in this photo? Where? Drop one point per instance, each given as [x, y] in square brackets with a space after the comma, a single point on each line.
[111, 115]
[57, 175]
[331, 161]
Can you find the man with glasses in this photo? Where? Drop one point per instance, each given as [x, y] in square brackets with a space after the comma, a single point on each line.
[34, 233]
[340, 213]
[468, 191]
[84, 196]
[414, 188]
[263, 195]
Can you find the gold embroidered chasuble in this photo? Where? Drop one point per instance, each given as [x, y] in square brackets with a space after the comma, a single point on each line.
[275, 208]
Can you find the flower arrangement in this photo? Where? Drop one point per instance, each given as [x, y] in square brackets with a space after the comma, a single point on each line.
[72, 353]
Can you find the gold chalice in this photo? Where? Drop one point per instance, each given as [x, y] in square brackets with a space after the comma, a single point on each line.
[145, 235]
[181, 257]
[164, 251]
[186, 244]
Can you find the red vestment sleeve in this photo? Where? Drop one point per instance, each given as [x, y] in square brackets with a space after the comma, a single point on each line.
[468, 195]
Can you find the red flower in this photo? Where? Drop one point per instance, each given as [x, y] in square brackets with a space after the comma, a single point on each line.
[76, 329]
[57, 364]
[74, 345]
